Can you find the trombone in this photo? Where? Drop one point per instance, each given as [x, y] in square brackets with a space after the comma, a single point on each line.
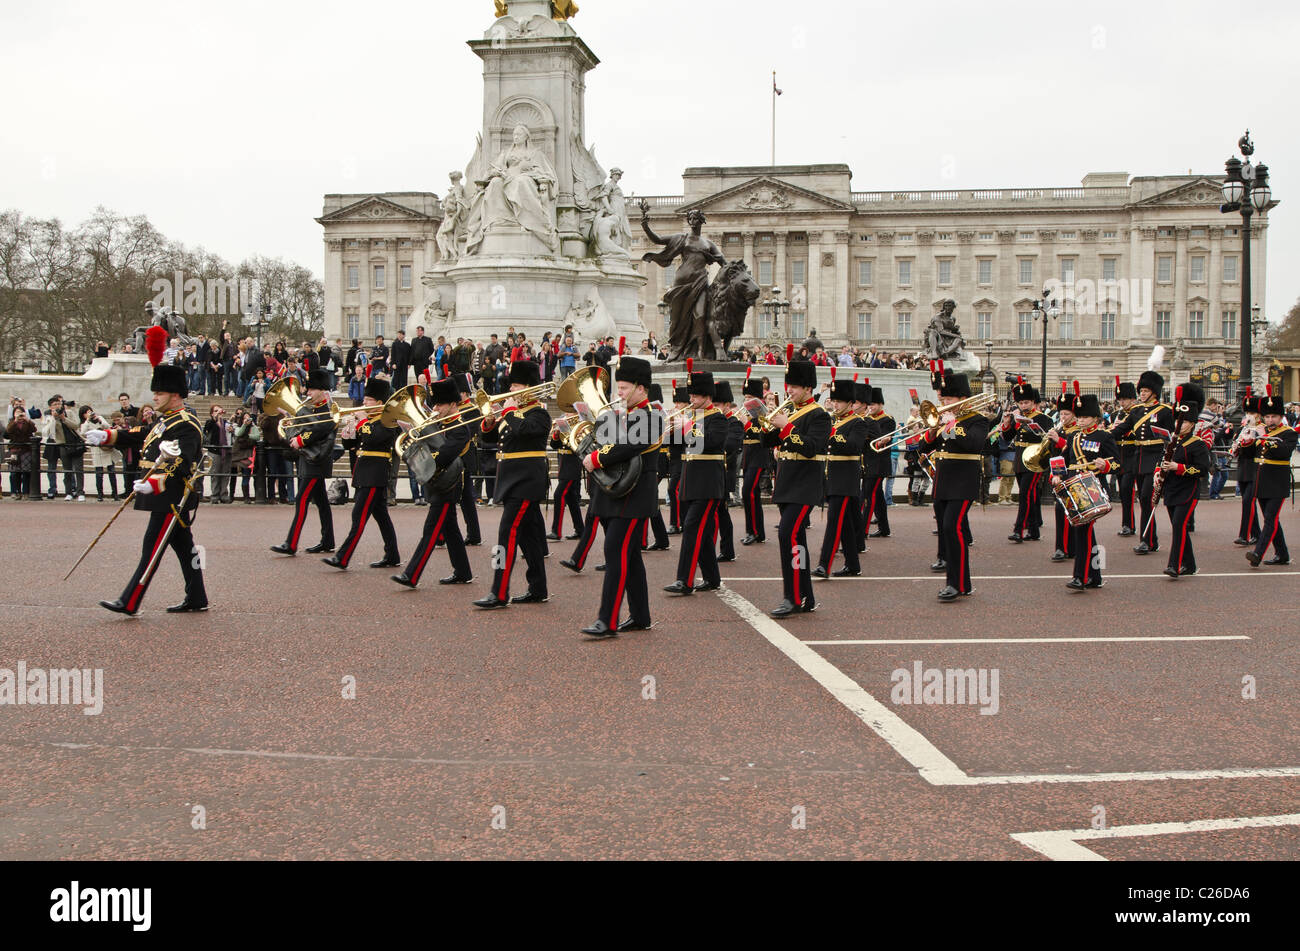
[286, 397]
[930, 420]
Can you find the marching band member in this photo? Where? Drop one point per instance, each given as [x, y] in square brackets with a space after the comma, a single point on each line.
[799, 440]
[639, 431]
[1248, 533]
[844, 456]
[523, 477]
[441, 524]
[1181, 481]
[173, 447]
[959, 470]
[724, 401]
[703, 486]
[1088, 448]
[370, 482]
[473, 464]
[1125, 397]
[659, 462]
[1065, 411]
[862, 409]
[1139, 426]
[755, 459]
[1020, 431]
[568, 488]
[681, 399]
[1273, 450]
[878, 471]
[315, 445]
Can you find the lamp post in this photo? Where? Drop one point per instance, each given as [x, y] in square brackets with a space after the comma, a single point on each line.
[990, 379]
[260, 319]
[1043, 311]
[1257, 326]
[1246, 191]
[663, 316]
[774, 308]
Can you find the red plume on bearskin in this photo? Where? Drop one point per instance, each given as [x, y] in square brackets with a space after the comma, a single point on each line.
[1268, 388]
[155, 344]
[789, 353]
[1178, 395]
[674, 385]
[1020, 381]
[1078, 394]
[1248, 393]
[428, 377]
[833, 374]
[370, 368]
[855, 377]
[1063, 386]
[867, 381]
[749, 371]
[690, 366]
[941, 371]
[622, 345]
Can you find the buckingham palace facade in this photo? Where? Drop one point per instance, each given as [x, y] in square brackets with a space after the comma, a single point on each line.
[1133, 262]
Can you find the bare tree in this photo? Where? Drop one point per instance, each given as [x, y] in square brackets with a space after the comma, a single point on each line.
[296, 296]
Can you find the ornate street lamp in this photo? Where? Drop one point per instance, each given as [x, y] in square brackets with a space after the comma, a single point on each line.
[1044, 311]
[989, 377]
[1246, 191]
[663, 316]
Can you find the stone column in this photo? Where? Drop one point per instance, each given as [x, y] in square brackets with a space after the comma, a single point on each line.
[1181, 285]
[748, 238]
[815, 311]
[779, 272]
[334, 281]
[1143, 251]
[840, 323]
[391, 283]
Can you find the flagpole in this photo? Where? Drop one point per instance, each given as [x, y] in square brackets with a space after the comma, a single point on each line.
[774, 118]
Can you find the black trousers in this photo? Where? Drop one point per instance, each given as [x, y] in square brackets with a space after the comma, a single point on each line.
[1249, 512]
[624, 573]
[567, 495]
[1128, 484]
[586, 540]
[522, 529]
[954, 541]
[1083, 541]
[469, 511]
[675, 499]
[1271, 530]
[440, 525]
[1181, 555]
[726, 531]
[796, 568]
[1064, 539]
[654, 524]
[753, 498]
[1146, 487]
[1029, 516]
[311, 492]
[181, 542]
[699, 536]
[842, 530]
[370, 503]
[873, 505]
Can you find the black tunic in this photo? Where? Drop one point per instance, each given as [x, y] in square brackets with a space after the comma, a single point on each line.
[522, 469]
[181, 427]
[454, 444]
[640, 437]
[1136, 428]
[374, 454]
[1192, 457]
[316, 457]
[878, 463]
[848, 439]
[800, 456]
[1022, 437]
[1273, 457]
[704, 458]
[959, 462]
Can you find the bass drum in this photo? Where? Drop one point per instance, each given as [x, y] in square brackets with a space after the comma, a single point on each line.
[617, 481]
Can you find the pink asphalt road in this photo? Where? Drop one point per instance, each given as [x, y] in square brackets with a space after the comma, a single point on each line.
[507, 735]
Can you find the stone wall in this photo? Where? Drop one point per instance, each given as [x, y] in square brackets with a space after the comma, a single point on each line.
[98, 386]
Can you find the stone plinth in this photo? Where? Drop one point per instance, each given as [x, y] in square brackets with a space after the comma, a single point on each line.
[98, 386]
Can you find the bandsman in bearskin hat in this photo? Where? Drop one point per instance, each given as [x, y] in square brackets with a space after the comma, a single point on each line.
[958, 452]
[444, 492]
[171, 451]
[1087, 447]
[1065, 407]
[879, 469]
[1251, 428]
[311, 431]
[799, 440]
[755, 459]
[468, 410]
[375, 450]
[725, 401]
[1025, 429]
[1180, 478]
[657, 526]
[523, 478]
[1145, 427]
[676, 514]
[1273, 481]
[1125, 398]
[703, 436]
[848, 442]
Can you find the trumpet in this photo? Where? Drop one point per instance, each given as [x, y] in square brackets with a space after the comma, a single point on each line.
[486, 404]
[929, 420]
[760, 414]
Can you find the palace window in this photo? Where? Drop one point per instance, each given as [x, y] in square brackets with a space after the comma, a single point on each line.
[1197, 271]
[1165, 270]
[798, 323]
[905, 326]
[1026, 271]
[905, 237]
[353, 320]
[986, 235]
[379, 277]
[403, 315]
[377, 323]
[1110, 234]
[1230, 267]
[404, 277]
[1196, 324]
[765, 272]
[352, 244]
[798, 273]
[945, 235]
[1067, 270]
[864, 273]
[1107, 326]
[1067, 235]
[984, 326]
[1026, 236]
[985, 270]
[1108, 269]
[864, 326]
[904, 272]
[378, 245]
[1067, 325]
[1108, 364]
[1026, 324]
[1164, 324]
[1067, 364]
[354, 277]
[945, 271]
[1229, 325]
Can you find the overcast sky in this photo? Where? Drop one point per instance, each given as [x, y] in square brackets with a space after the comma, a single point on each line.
[225, 123]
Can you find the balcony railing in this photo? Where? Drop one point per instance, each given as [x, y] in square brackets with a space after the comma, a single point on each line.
[984, 195]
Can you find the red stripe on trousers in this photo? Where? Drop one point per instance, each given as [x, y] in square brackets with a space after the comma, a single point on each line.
[699, 540]
[433, 543]
[1277, 520]
[1087, 565]
[839, 527]
[361, 527]
[871, 508]
[794, 550]
[564, 497]
[753, 503]
[1182, 546]
[510, 552]
[303, 498]
[622, 577]
[593, 526]
[138, 593]
[961, 542]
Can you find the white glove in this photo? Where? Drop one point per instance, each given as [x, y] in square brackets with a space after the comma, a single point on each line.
[96, 437]
[143, 488]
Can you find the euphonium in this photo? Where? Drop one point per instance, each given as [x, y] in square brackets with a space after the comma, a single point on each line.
[590, 386]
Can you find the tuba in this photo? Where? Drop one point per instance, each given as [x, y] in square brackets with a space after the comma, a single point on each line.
[590, 386]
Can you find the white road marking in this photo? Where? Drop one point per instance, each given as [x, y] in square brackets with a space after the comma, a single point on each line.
[933, 766]
[1059, 577]
[1026, 640]
[1063, 845]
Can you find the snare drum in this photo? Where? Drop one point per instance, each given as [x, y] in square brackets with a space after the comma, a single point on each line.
[1084, 498]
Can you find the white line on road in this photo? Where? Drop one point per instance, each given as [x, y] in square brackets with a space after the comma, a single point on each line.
[1026, 640]
[934, 767]
[1061, 577]
[1063, 845]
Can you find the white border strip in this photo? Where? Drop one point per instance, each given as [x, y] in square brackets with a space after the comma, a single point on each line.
[1063, 845]
[934, 767]
[1028, 640]
[1060, 577]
